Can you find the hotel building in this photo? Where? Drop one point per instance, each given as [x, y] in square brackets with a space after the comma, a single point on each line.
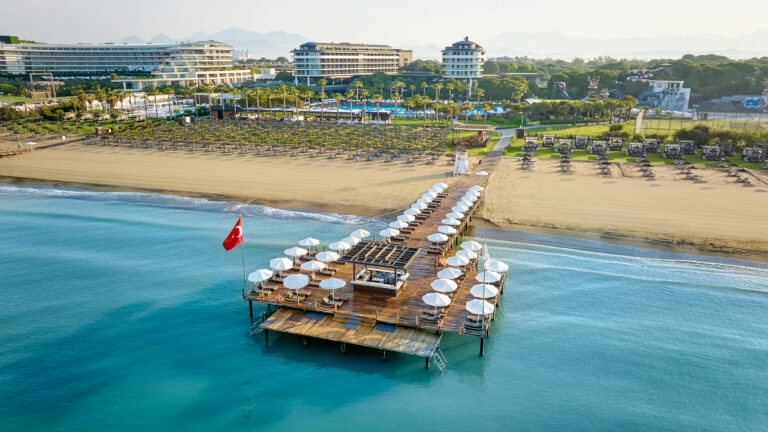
[182, 63]
[338, 61]
[463, 61]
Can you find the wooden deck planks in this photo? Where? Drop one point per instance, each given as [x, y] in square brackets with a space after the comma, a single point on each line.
[404, 340]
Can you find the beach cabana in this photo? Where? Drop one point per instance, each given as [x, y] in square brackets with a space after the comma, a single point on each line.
[711, 153]
[615, 144]
[531, 144]
[548, 140]
[651, 145]
[379, 268]
[673, 151]
[599, 148]
[635, 149]
[753, 154]
[564, 146]
[687, 146]
[728, 148]
[581, 142]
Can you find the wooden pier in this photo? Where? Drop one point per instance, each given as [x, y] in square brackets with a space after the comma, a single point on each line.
[386, 322]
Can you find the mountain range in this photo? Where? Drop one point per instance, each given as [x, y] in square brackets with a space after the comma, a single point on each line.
[532, 44]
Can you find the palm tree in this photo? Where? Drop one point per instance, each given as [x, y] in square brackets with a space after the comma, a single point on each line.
[357, 84]
[322, 83]
[152, 90]
[397, 98]
[412, 88]
[487, 106]
[423, 100]
[322, 97]
[450, 86]
[377, 98]
[337, 97]
[349, 94]
[424, 88]
[467, 107]
[437, 106]
[169, 91]
[479, 93]
[437, 88]
[364, 93]
[307, 96]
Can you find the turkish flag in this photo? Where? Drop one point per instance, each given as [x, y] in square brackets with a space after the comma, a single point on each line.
[235, 236]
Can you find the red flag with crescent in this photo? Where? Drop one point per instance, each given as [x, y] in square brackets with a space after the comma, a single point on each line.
[235, 236]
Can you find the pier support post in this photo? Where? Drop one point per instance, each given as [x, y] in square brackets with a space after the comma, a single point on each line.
[266, 335]
[482, 345]
[250, 308]
[426, 362]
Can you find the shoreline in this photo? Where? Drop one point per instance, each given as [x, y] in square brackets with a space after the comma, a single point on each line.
[480, 227]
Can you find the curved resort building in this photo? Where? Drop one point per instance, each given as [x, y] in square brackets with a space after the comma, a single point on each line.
[463, 61]
[339, 61]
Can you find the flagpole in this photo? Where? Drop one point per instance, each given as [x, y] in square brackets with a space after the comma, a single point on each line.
[242, 252]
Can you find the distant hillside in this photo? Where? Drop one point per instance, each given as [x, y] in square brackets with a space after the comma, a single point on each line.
[270, 44]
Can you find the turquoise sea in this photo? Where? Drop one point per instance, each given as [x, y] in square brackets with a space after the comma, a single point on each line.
[121, 311]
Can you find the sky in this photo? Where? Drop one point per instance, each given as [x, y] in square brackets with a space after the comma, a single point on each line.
[395, 22]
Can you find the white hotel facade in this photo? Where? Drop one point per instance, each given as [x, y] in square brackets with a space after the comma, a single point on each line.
[337, 61]
[181, 63]
[463, 60]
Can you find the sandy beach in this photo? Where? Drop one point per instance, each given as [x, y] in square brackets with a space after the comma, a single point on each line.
[713, 213]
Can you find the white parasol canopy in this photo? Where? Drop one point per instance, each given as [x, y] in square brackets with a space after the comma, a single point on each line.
[496, 266]
[339, 246]
[281, 264]
[360, 233]
[479, 307]
[389, 232]
[327, 257]
[459, 207]
[455, 215]
[445, 229]
[488, 277]
[398, 225]
[468, 254]
[295, 252]
[449, 273]
[260, 275]
[418, 205]
[472, 245]
[477, 188]
[469, 198]
[437, 238]
[484, 291]
[313, 266]
[444, 285]
[456, 261]
[451, 221]
[296, 281]
[466, 202]
[309, 242]
[332, 283]
[481, 173]
[412, 212]
[436, 299]
[430, 195]
[351, 240]
[440, 185]
[406, 217]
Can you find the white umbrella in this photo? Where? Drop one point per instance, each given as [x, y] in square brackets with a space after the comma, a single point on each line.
[472, 245]
[466, 202]
[281, 264]
[339, 246]
[445, 229]
[484, 291]
[436, 190]
[398, 225]
[260, 275]
[468, 254]
[418, 206]
[440, 185]
[474, 193]
[459, 207]
[477, 188]
[469, 198]
[430, 195]
[412, 212]
[444, 285]
[351, 240]
[449, 273]
[424, 201]
[327, 257]
[309, 242]
[332, 284]
[389, 232]
[479, 307]
[313, 266]
[437, 238]
[488, 277]
[455, 215]
[496, 266]
[296, 281]
[456, 261]
[295, 252]
[360, 233]
[481, 173]
[406, 218]
[450, 221]
[436, 300]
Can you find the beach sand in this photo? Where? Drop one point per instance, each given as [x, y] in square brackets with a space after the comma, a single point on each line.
[712, 214]
[715, 214]
[339, 186]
